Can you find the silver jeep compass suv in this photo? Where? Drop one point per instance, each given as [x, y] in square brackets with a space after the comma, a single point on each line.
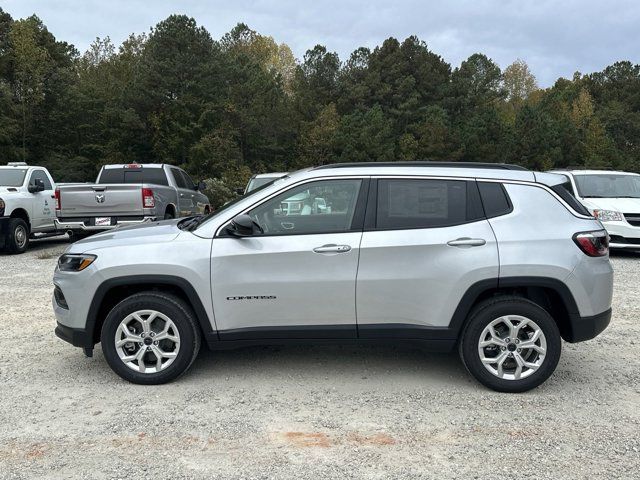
[496, 261]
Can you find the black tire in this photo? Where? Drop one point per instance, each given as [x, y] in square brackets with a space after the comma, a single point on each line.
[17, 239]
[179, 313]
[491, 310]
[168, 215]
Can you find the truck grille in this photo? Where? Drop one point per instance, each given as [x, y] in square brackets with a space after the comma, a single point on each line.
[633, 219]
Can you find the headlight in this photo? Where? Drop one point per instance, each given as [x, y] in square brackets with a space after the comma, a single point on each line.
[75, 263]
[2, 205]
[608, 215]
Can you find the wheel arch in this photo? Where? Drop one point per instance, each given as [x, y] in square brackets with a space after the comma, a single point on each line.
[20, 212]
[549, 293]
[171, 208]
[113, 291]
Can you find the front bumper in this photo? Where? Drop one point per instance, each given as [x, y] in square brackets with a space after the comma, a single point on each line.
[75, 336]
[622, 235]
[88, 225]
[586, 328]
[4, 230]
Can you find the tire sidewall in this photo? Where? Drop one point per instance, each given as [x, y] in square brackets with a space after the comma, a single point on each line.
[171, 307]
[483, 316]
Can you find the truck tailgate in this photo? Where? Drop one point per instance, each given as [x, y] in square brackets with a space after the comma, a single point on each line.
[100, 200]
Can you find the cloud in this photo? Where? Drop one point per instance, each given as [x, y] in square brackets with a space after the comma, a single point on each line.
[555, 38]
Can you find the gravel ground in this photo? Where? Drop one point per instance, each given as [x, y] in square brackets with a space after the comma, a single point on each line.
[325, 412]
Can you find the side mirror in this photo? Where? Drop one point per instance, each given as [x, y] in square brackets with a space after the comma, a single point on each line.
[243, 226]
[38, 187]
[239, 191]
[201, 186]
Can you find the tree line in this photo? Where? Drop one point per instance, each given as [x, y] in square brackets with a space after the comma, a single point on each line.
[226, 108]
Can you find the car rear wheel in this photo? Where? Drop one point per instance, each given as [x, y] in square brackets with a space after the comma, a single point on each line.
[510, 344]
[150, 338]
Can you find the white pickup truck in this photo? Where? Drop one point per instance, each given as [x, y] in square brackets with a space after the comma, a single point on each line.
[27, 206]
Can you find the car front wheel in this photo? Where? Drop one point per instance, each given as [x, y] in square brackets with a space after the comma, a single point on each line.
[150, 338]
[17, 239]
[510, 344]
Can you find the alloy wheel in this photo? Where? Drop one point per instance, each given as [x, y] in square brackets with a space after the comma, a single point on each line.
[512, 347]
[147, 341]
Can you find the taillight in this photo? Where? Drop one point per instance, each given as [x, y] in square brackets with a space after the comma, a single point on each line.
[593, 244]
[58, 202]
[147, 198]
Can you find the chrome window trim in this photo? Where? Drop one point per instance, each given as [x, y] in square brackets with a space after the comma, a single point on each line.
[423, 177]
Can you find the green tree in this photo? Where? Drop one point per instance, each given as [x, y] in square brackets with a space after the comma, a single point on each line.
[318, 139]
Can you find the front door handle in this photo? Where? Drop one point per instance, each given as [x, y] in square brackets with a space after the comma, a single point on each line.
[467, 242]
[332, 248]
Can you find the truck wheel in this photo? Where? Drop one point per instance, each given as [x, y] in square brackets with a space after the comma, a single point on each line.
[150, 338]
[17, 239]
[510, 344]
[168, 215]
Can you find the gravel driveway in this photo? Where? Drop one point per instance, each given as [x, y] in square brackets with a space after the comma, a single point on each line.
[321, 412]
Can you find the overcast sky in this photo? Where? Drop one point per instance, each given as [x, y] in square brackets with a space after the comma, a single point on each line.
[555, 38]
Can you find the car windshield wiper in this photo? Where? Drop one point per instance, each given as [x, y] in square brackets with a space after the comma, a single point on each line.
[188, 222]
[191, 223]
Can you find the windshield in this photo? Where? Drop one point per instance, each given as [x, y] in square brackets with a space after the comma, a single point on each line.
[233, 202]
[608, 185]
[12, 177]
[259, 182]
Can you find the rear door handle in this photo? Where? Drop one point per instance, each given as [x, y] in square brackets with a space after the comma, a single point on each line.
[332, 248]
[467, 242]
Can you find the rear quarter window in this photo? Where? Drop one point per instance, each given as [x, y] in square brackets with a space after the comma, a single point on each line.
[495, 200]
[565, 192]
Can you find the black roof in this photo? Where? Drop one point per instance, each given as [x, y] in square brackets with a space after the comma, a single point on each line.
[495, 166]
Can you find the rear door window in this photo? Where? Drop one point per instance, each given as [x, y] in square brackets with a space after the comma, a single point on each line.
[187, 180]
[179, 178]
[421, 203]
[155, 176]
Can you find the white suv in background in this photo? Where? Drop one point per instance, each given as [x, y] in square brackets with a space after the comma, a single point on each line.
[614, 198]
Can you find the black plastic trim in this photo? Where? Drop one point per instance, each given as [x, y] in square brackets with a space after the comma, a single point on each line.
[290, 332]
[434, 338]
[164, 280]
[75, 336]
[586, 328]
[554, 284]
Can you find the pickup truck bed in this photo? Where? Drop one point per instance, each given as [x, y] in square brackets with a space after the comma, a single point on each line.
[128, 194]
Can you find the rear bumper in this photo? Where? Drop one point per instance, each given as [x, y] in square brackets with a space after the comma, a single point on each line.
[586, 328]
[86, 225]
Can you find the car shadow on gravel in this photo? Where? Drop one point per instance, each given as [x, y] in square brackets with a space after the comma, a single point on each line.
[359, 364]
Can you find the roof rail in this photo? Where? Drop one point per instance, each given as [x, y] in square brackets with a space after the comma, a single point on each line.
[584, 167]
[496, 166]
